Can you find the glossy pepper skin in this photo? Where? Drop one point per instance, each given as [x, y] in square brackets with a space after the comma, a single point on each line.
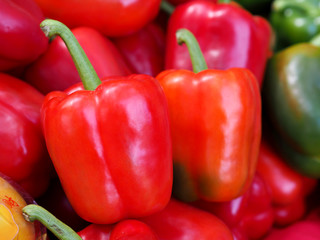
[215, 128]
[17, 46]
[55, 70]
[249, 216]
[228, 35]
[181, 221]
[23, 153]
[294, 21]
[129, 229]
[289, 189]
[215, 118]
[144, 50]
[291, 96]
[112, 18]
[120, 147]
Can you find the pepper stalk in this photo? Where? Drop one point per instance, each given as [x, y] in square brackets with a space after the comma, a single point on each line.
[85, 69]
[33, 212]
[199, 64]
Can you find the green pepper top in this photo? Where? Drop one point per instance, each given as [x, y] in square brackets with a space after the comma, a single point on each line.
[295, 21]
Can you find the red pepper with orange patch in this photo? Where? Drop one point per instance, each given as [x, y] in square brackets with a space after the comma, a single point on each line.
[215, 118]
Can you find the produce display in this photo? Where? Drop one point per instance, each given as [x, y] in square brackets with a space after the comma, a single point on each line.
[159, 120]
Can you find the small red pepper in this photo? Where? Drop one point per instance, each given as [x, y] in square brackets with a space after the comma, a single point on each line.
[259, 217]
[144, 50]
[228, 35]
[17, 46]
[182, 221]
[129, 229]
[249, 216]
[112, 18]
[23, 153]
[55, 70]
[215, 118]
[114, 136]
[289, 189]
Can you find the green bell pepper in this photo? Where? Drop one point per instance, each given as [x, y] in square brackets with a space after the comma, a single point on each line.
[292, 101]
[294, 21]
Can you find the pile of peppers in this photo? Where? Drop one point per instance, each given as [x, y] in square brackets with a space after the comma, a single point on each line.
[159, 120]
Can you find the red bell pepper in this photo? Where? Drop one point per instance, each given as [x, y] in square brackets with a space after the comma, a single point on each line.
[112, 18]
[129, 229]
[144, 50]
[249, 216]
[114, 137]
[302, 230]
[259, 217]
[23, 153]
[228, 35]
[55, 70]
[289, 189]
[17, 46]
[181, 221]
[215, 118]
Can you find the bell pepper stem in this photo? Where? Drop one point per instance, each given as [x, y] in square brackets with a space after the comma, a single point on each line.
[167, 7]
[224, 1]
[198, 62]
[33, 212]
[85, 69]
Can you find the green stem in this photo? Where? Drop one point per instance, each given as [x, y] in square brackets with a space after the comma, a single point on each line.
[85, 69]
[198, 62]
[167, 7]
[224, 1]
[34, 212]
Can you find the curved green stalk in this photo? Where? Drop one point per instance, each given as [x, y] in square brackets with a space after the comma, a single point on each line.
[85, 69]
[33, 212]
[198, 62]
